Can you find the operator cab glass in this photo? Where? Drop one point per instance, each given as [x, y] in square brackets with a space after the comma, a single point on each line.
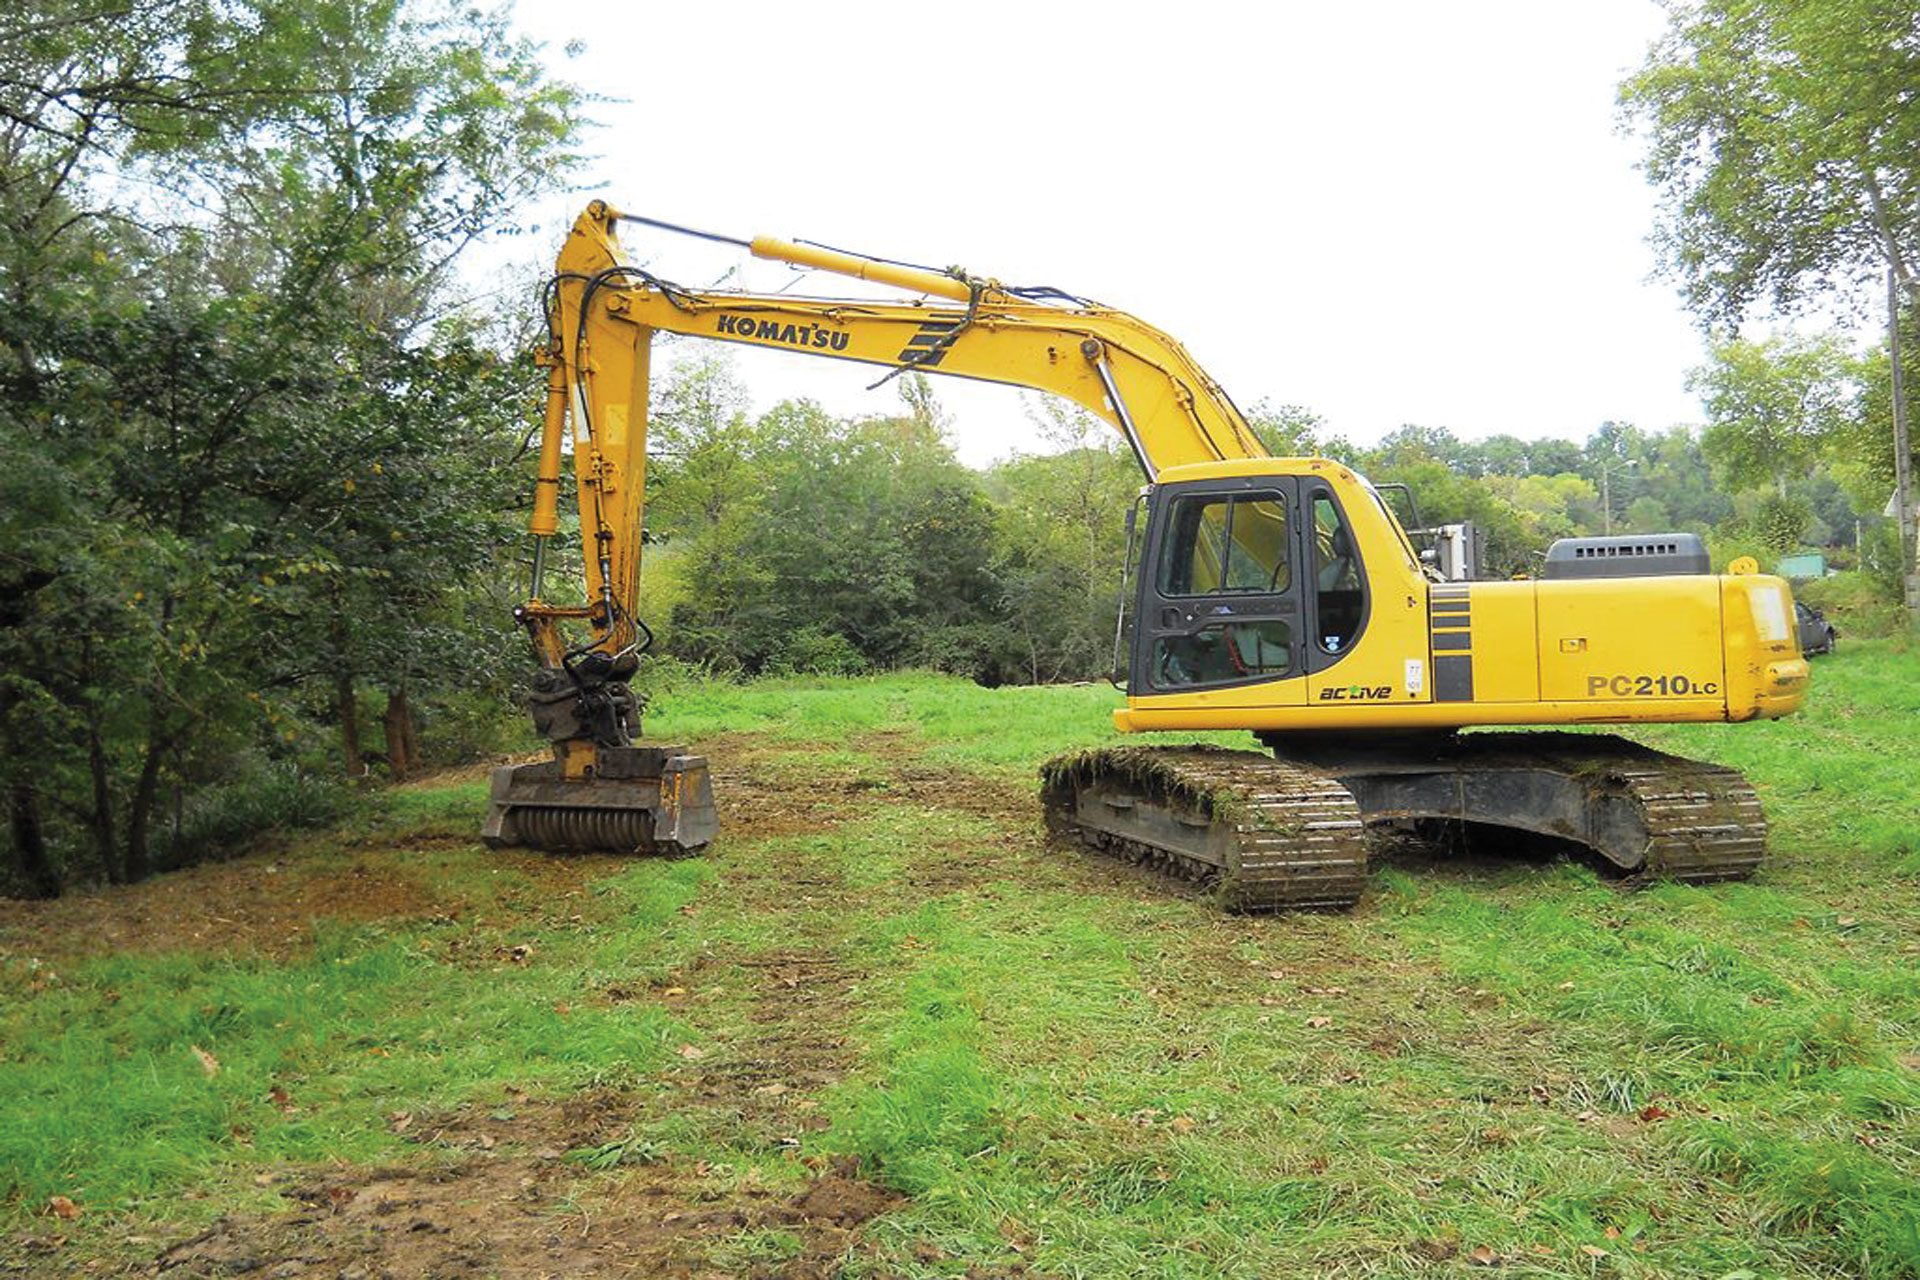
[1245, 579]
[1339, 601]
[1224, 560]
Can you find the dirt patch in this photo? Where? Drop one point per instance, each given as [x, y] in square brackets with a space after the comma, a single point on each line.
[534, 1188]
[768, 1082]
[262, 905]
[529, 1217]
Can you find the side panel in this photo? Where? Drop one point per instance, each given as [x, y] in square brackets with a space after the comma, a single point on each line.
[1485, 641]
[1390, 666]
[1638, 640]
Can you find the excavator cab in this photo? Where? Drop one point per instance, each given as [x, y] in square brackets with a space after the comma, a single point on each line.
[1245, 580]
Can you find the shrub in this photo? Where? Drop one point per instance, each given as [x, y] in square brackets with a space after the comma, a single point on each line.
[275, 796]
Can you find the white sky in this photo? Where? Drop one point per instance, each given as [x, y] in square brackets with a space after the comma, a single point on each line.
[1391, 212]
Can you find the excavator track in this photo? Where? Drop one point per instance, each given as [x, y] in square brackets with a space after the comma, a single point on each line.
[1705, 821]
[1267, 834]
[1257, 833]
[1648, 813]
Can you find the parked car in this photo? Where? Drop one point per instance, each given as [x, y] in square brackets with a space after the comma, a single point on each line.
[1816, 633]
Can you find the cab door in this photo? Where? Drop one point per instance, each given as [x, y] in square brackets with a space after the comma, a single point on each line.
[1220, 591]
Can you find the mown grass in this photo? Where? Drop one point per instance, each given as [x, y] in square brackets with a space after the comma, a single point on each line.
[1069, 1068]
[126, 1078]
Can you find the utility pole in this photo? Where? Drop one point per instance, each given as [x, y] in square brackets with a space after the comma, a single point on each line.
[1606, 492]
[1902, 461]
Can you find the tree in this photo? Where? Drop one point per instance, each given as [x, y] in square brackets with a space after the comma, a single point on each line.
[1785, 137]
[200, 365]
[1773, 406]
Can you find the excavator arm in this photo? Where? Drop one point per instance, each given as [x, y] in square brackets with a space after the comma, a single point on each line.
[605, 309]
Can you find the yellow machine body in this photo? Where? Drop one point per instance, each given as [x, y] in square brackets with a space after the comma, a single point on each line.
[1533, 652]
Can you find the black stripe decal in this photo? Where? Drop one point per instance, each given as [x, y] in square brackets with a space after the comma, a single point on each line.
[1461, 640]
[1453, 678]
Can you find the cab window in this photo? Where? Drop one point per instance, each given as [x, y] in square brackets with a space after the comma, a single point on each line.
[1340, 603]
[1226, 545]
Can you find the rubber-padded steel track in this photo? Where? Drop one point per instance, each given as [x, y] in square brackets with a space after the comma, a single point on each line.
[1648, 813]
[1706, 821]
[1262, 835]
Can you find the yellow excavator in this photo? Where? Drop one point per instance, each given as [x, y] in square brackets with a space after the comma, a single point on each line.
[1275, 595]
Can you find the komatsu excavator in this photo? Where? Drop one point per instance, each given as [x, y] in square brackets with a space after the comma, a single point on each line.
[1274, 595]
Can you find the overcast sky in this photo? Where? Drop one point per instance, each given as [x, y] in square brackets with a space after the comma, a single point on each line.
[1392, 212]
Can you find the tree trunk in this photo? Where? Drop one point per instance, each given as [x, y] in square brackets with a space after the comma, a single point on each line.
[399, 726]
[140, 812]
[31, 862]
[347, 708]
[104, 845]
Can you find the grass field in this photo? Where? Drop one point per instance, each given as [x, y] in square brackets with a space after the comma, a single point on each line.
[884, 1030]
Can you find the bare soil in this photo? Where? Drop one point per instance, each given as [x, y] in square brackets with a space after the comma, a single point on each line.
[514, 1206]
[264, 905]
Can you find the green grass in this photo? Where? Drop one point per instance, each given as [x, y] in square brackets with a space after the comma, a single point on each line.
[1067, 1068]
[105, 1097]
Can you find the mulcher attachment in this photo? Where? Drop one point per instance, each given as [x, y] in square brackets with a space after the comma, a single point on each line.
[1259, 834]
[639, 800]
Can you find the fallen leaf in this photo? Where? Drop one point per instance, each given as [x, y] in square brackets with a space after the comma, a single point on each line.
[562, 1008]
[486, 1142]
[690, 1053]
[773, 1090]
[280, 1098]
[399, 1121]
[1593, 1251]
[1654, 1111]
[674, 991]
[208, 1063]
[1317, 1023]
[1612, 1233]
[1566, 986]
[1483, 1257]
[1846, 922]
[1181, 1124]
[61, 1207]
